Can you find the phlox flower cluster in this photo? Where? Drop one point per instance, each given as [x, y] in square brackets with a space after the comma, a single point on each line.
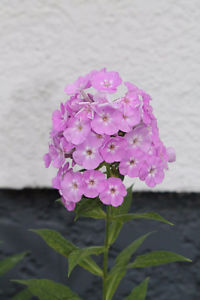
[96, 133]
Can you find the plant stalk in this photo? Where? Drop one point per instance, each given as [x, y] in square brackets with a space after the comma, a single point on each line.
[106, 245]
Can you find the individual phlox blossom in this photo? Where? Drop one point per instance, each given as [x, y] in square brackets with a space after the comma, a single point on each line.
[83, 82]
[55, 155]
[93, 183]
[106, 81]
[56, 181]
[129, 119]
[171, 154]
[160, 151]
[87, 154]
[142, 100]
[77, 131]
[114, 192]
[129, 101]
[47, 160]
[132, 162]
[147, 113]
[139, 137]
[59, 118]
[152, 171]
[72, 186]
[58, 152]
[106, 121]
[113, 149]
[98, 139]
[69, 205]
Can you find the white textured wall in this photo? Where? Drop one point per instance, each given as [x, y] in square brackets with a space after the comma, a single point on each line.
[46, 44]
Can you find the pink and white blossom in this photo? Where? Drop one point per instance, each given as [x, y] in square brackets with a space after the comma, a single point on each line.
[132, 162]
[106, 81]
[93, 183]
[113, 149]
[77, 131]
[106, 121]
[87, 154]
[114, 192]
[152, 171]
[71, 187]
[139, 137]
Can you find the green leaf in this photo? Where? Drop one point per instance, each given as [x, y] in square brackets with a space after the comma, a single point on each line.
[139, 293]
[157, 258]
[114, 231]
[57, 242]
[23, 295]
[48, 290]
[123, 209]
[119, 270]
[88, 207]
[148, 215]
[77, 256]
[9, 262]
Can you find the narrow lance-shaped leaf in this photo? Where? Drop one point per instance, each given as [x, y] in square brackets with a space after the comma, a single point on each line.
[57, 242]
[89, 208]
[123, 209]
[9, 262]
[23, 295]
[119, 270]
[78, 255]
[139, 292]
[157, 258]
[48, 290]
[148, 215]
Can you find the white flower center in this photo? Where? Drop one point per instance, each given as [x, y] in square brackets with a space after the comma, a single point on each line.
[105, 118]
[89, 152]
[113, 191]
[91, 182]
[112, 147]
[74, 186]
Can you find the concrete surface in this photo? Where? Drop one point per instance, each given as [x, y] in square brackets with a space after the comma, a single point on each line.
[46, 44]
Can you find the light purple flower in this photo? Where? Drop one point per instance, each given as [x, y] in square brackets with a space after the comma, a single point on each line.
[69, 205]
[131, 163]
[106, 121]
[94, 126]
[80, 84]
[171, 154]
[56, 181]
[113, 149]
[139, 137]
[114, 192]
[87, 154]
[129, 119]
[106, 81]
[47, 160]
[94, 183]
[152, 171]
[59, 118]
[77, 131]
[72, 186]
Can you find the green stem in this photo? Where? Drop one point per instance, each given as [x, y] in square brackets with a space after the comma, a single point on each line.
[106, 245]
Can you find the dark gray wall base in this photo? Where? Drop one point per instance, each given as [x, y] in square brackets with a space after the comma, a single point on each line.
[21, 210]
